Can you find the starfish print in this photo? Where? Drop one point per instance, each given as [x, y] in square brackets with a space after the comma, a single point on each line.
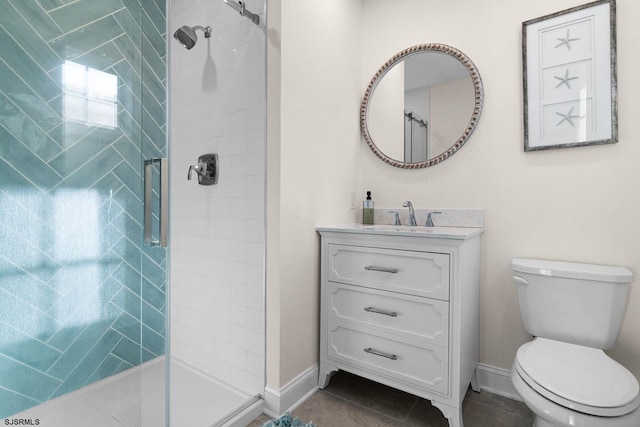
[566, 41]
[565, 80]
[567, 117]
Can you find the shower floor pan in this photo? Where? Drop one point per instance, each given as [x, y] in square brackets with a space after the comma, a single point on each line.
[136, 398]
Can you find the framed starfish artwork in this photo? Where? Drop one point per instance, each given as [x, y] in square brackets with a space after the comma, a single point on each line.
[569, 78]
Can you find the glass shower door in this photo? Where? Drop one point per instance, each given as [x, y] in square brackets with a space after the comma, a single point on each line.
[82, 299]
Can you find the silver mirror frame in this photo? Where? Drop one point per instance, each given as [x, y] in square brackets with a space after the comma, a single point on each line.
[377, 77]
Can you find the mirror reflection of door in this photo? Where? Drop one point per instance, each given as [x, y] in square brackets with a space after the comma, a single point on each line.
[438, 95]
[416, 137]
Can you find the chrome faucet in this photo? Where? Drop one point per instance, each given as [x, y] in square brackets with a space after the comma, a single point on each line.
[429, 222]
[412, 215]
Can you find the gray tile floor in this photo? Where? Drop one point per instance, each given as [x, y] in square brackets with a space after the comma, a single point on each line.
[350, 400]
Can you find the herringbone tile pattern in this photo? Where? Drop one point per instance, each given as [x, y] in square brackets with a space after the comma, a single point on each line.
[82, 102]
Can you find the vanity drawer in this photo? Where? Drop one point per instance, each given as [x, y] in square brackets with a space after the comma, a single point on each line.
[426, 366]
[419, 318]
[412, 272]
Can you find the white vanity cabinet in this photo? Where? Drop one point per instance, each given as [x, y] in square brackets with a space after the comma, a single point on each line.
[400, 306]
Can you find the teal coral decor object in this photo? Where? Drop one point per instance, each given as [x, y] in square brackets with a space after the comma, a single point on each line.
[288, 421]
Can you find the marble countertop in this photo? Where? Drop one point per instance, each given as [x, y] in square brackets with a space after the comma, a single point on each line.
[457, 233]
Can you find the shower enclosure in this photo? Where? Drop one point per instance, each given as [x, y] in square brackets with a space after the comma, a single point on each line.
[94, 330]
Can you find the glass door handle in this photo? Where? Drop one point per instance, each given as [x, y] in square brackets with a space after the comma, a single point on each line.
[148, 202]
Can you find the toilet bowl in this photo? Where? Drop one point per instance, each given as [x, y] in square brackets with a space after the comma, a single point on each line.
[574, 311]
[569, 385]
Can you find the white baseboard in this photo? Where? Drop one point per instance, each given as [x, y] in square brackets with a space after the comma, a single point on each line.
[278, 402]
[496, 381]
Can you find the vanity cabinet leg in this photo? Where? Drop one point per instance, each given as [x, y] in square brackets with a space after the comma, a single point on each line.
[475, 384]
[455, 419]
[454, 415]
[325, 374]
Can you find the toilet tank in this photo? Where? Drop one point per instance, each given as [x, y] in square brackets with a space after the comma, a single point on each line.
[572, 302]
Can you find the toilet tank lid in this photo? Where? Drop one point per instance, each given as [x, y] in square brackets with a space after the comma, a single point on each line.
[573, 270]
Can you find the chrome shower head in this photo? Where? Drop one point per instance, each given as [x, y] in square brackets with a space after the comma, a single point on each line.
[187, 37]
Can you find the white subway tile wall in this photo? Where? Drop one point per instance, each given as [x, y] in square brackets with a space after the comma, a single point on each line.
[217, 105]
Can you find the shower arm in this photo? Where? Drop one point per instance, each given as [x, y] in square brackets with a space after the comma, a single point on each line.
[205, 30]
[239, 7]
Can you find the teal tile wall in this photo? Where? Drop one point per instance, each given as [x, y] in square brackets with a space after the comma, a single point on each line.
[81, 298]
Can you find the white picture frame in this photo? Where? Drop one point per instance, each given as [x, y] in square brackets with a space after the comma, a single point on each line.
[569, 78]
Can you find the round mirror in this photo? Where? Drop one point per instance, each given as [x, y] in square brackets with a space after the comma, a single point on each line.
[421, 106]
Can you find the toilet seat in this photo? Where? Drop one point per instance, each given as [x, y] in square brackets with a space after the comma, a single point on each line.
[581, 378]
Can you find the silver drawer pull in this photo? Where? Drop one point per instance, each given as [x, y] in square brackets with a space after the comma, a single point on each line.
[378, 311]
[383, 269]
[381, 354]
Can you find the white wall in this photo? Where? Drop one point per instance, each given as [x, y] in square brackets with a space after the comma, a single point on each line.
[577, 204]
[217, 105]
[313, 161]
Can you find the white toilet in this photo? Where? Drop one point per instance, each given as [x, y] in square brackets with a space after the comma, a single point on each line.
[573, 311]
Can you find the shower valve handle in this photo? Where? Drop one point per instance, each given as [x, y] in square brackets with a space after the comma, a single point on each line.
[200, 169]
[207, 169]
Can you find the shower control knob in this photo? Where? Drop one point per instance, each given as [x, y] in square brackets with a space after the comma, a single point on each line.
[200, 169]
[207, 169]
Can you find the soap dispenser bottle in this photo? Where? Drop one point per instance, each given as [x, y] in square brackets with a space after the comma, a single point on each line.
[367, 210]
